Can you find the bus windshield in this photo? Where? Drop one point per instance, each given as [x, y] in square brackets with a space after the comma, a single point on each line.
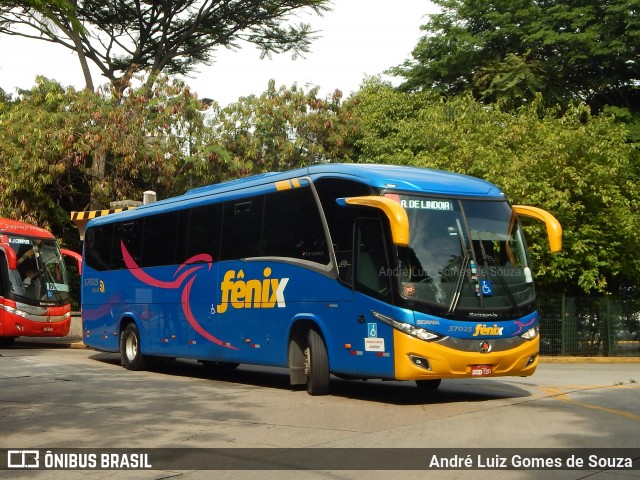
[41, 276]
[464, 255]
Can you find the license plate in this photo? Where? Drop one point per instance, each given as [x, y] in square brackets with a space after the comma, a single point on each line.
[47, 329]
[481, 370]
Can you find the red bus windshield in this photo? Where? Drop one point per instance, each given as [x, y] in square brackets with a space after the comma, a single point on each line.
[41, 276]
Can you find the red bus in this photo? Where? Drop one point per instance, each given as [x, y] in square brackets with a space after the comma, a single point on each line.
[34, 287]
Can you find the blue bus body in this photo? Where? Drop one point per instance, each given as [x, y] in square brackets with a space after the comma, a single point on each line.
[243, 298]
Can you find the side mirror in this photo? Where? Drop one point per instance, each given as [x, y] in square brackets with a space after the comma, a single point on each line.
[397, 215]
[554, 229]
[75, 258]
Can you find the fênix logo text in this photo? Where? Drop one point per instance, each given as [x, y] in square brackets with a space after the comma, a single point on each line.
[263, 292]
[482, 329]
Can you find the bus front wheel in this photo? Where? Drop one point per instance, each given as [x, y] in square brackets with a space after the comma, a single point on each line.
[316, 364]
[132, 357]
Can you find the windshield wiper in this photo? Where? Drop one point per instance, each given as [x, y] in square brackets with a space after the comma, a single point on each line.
[42, 253]
[463, 270]
[45, 274]
[488, 259]
[456, 293]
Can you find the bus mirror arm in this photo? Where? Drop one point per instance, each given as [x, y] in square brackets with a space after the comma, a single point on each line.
[12, 260]
[76, 258]
[554, 229]
[396, 214]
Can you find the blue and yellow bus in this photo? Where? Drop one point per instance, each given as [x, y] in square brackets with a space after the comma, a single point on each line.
[360, 271]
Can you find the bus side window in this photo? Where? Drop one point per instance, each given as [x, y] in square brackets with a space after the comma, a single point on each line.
[199, 232]
[371, 265]
[128, 233]
[242, 228]
[98, 247]
[340, 219]
[159, 240]
[293, 227]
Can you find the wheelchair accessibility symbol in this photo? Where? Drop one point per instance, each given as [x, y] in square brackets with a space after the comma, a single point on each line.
[372, 330]
[486, 287]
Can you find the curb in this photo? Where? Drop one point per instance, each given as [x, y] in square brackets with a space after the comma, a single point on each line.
[46, 343]
[590, 360]
[79, 344]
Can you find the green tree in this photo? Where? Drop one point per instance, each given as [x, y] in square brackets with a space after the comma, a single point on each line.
[122, 37]
[51, 137]
[282, 129]
[576, 166]
[508, 50]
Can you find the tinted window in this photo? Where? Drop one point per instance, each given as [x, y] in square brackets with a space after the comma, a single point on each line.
[242, 228]
[159, 240]
[341, 219]
[200, 229]
[372, 272]
[97, 247]
[293, 227]
[128, 233]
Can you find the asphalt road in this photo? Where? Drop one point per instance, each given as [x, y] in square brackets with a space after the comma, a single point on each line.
[60, 398]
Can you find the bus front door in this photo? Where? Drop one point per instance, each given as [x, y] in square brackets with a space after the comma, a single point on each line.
[370, 340]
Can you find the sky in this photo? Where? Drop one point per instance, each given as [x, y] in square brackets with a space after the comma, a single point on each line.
[358, 38]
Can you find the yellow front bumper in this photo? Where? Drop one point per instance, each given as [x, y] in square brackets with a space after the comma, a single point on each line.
[446, 362]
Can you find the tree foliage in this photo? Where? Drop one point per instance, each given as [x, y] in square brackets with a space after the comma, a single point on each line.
[282, 129]
[65, 150]
[576, 166]
[52, 136]
[168, 36]
[509, 50]
[579, 167]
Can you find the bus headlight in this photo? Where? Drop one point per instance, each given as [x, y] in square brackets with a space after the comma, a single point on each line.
[16, 311]
[530, 334]
[412, 330]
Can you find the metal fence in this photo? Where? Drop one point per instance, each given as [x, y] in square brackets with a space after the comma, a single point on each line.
[589, 326]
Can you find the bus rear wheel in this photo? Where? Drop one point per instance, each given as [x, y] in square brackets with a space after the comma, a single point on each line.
[130, 352]
[316, 364]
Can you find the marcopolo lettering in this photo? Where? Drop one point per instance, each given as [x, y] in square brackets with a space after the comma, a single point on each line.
[253, 293]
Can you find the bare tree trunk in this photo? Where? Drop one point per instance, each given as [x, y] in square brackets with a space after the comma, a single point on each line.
[88, 80]
[75, 37]
[98, 167]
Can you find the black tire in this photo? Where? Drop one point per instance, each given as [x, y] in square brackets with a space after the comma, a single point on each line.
[130, 344]
[426, 385]
[6, 341]
[316, 364]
